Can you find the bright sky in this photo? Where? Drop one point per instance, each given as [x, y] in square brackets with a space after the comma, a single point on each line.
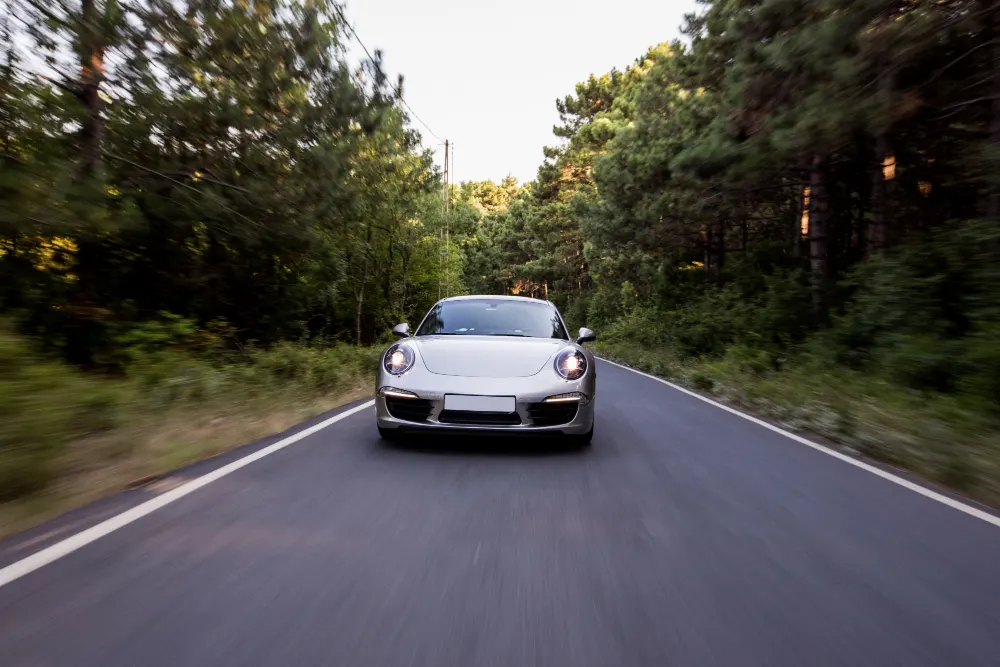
[486, 74]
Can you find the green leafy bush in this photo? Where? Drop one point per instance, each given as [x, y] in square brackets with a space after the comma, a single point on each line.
[702, 381]
[923, 362]
[604, 306]
[43, 405]
[575, 311]
[981, 366]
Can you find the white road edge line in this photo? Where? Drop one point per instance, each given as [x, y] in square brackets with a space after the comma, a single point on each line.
[906, 484]
[65, 547]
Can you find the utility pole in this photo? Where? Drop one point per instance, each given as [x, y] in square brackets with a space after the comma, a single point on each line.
[449, 165]
[443, 233]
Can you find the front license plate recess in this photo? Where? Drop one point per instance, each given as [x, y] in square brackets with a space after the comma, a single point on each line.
[465, 403]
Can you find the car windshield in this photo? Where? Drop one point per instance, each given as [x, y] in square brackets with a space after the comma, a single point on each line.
[500, 317]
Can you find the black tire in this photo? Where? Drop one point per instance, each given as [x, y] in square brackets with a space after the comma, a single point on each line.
[389, 434]
[584, 441]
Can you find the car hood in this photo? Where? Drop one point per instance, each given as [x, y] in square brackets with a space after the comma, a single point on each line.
[486, 356]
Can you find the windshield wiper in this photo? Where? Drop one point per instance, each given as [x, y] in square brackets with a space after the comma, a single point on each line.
[515, 335]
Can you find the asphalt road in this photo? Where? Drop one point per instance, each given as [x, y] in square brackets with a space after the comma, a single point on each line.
[686, 536]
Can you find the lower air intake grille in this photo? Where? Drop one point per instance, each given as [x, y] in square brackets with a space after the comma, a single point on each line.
[410, 409]
[479, 418]
[552, 414]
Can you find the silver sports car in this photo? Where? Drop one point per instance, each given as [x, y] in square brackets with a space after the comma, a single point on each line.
[488, 363]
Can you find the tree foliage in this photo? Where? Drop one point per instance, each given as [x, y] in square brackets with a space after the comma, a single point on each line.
[793, 175]
[215, 160]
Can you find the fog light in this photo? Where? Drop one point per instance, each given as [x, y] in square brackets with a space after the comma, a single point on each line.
[392, 392]
[574, 397]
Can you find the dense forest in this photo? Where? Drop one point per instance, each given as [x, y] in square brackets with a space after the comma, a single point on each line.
[795, 208]
[205, 208]
[795, 193]
[794, 177]
[208, 165]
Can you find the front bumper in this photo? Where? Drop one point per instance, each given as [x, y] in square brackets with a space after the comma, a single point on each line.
[529, 394]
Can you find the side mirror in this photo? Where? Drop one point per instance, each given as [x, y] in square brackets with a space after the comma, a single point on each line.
[586, 335]
[401, 330]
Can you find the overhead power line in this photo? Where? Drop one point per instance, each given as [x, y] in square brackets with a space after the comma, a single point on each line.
[354, 32]
[444, 253]
[356, 36]
[414, 114]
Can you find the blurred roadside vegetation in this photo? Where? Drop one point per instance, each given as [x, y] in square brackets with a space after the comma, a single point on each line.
[69, 436]
[208, 215]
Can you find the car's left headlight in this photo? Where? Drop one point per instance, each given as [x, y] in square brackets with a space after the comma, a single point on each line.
[571, 364]
[398, 359]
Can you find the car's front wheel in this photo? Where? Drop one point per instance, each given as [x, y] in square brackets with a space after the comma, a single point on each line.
[583, 441]
[389, 434]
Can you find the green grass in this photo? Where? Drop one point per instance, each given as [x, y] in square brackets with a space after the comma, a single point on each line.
[67, 437]
[947, 438]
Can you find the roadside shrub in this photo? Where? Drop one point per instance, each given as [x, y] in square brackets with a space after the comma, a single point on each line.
[284, 362]
[576, 311]
[169, 377]
[924, 362]
[981, 368]
[710, 324]
[43, 404]
[783, 314]
[387, 338]
[750, 360]
[943, 285]
[702, 382]
[645, 327]
[604, 307]
[323, 369]
[101, 406]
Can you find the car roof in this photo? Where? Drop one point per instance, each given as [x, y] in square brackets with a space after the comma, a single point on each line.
[496, 297]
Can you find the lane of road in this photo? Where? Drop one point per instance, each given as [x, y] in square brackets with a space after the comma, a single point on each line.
[686, 536]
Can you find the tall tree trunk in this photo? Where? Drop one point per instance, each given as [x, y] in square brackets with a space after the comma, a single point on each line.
[720, 249]
[387, 276]
[405, 255]
[715, 249]
[6, 115]
[89, 256]
[993, 200]
[800, 224]
[877, 236]
[359, 300]
[818, 218]
[92, 43]
[709, 243]
[359, 294]
[878, 230]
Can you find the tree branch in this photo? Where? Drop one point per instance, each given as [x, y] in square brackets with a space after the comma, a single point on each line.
[76, 92]
[954, 62]
[178, 183]
[957, 108]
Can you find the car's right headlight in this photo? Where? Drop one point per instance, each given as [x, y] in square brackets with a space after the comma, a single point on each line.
[398, 359]
[571, 364]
